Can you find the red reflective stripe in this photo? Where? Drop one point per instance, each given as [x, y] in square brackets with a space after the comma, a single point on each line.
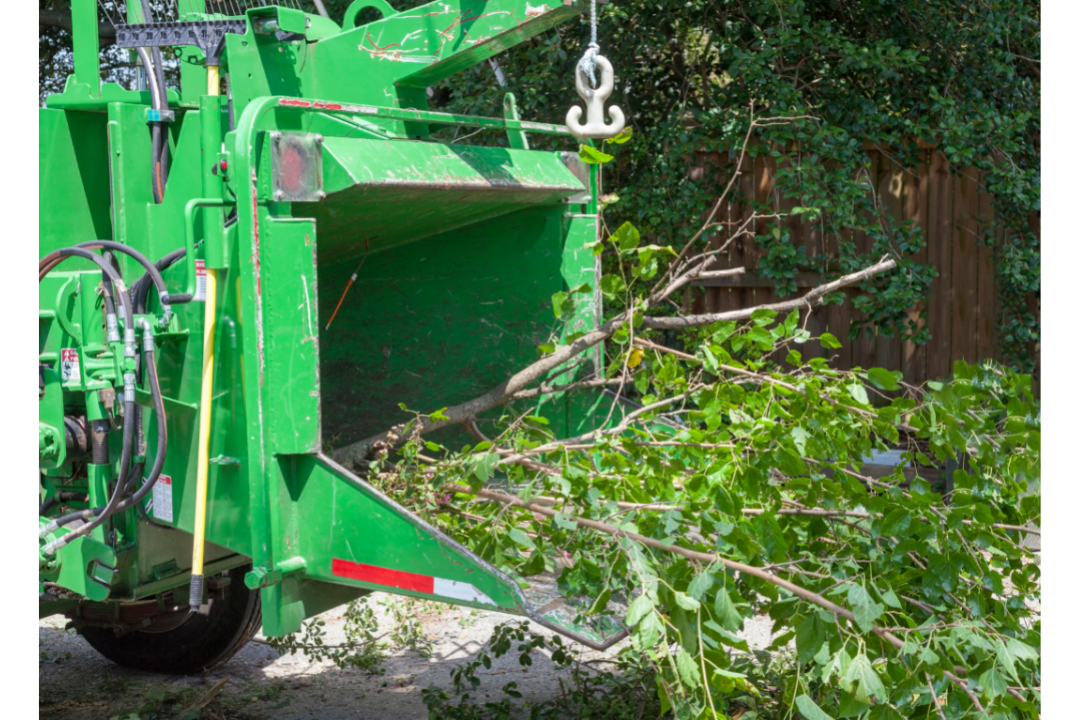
[383, 576]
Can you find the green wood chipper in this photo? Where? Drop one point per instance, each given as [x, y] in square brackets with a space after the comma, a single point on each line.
[196, 243]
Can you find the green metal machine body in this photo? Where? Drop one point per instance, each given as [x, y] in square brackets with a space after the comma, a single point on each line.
[319, 159]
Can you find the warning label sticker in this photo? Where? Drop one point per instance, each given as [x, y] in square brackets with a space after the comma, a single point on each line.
[200, 281]
[69, 365]
[162, 502]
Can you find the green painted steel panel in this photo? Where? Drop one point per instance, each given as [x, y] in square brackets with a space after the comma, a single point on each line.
[462, 249]
[73, 176]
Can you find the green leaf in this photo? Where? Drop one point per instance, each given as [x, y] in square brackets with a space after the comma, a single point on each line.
[810, 709]
[626, 237]
[884, 379]
[686, 602]
[791, 321]
[858, 392]
[601, 602]
[863, 606]
[891, 599]
[828, 340]
[809, 637]
[592, 156]
[732, 639]
[896, 522]
[1022, 651]
[800, 436]
[484, 466]
[688, 669]
[885, 712]
[726, 614]
[648, 631]
[700, 585]
[993, 682]
[612, 285]
[861, 677]
[624, 136]
[518, 535]
[850, 706]
[638, 609]
[561, 302]
[563, 522]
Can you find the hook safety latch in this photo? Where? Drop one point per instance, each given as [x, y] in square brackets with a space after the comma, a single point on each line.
[594, 127]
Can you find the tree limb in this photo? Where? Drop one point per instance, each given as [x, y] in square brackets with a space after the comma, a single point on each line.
[519, 382]
[709, 558]
[690, 321]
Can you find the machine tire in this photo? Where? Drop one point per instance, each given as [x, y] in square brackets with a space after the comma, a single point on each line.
[199, 644]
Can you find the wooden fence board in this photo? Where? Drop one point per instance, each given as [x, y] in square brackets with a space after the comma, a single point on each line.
[961, 309]
[939, 320]
[965, 268]
[987, 310]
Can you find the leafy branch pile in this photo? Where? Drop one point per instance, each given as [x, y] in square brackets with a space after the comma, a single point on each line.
[731, 486]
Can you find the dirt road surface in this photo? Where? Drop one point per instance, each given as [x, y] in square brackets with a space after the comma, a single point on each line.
[75, 683]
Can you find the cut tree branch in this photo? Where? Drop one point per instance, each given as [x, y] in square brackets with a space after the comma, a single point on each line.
[691, 321]
[708, 558]
[519, 382]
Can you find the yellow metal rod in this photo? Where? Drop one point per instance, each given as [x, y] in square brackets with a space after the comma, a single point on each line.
[213, 83]
[203, 464]
[205, 400]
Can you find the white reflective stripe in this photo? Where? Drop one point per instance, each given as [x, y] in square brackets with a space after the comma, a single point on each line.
[460, 591]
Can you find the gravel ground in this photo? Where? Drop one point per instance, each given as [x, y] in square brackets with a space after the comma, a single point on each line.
[75, 683]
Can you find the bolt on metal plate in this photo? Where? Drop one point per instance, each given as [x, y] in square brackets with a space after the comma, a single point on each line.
[296, 166]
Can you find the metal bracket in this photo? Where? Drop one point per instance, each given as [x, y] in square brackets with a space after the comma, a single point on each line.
[207, 35]
[153, 115]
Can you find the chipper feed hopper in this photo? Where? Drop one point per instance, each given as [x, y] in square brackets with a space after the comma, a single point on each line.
[195, 242]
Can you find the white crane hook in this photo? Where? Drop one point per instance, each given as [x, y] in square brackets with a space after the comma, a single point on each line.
[594, 128]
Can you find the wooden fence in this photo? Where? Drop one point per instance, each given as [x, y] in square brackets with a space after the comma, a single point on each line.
[962, 310]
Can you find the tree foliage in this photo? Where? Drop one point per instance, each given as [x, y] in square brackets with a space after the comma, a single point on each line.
[732, 487]
[690, 74]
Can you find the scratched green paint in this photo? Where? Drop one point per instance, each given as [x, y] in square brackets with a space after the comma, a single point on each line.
[464, 247]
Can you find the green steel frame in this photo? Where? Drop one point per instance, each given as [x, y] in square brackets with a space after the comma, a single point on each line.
[460, 247]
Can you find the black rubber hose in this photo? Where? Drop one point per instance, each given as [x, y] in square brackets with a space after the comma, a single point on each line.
[55, 258]
[141, 287]
[150, 268]
[99, 442]
[100, 515]
[159, 456]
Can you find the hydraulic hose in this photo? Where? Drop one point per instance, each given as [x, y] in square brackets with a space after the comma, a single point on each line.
[141, 287]
[159, 455]
[121, 481]
[50, 261]
[150, 268]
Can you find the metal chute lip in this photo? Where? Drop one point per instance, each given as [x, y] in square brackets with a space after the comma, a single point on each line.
[530, 611]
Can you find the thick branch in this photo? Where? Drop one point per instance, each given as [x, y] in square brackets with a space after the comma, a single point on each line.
[807, 300]
[519, 382]
[498, 395]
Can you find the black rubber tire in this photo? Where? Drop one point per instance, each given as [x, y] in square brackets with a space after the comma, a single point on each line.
[202, 643]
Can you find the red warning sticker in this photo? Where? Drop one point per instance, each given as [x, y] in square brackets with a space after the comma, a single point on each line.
[200, 281]
[69, 365]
